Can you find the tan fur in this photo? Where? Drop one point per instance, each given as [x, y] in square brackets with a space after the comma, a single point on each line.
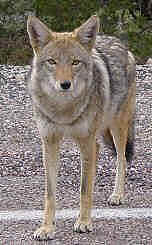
[82, 85]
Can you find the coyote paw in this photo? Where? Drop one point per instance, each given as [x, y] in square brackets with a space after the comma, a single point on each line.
[44, 233]
[116, 199]
[82, 226]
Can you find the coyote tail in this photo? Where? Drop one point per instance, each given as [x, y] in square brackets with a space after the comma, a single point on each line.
[108, 140]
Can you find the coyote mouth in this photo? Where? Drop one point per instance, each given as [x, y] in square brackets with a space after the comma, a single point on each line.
[61, 92]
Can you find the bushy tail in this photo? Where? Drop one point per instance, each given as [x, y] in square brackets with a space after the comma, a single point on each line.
[108, 139]
[130, 142]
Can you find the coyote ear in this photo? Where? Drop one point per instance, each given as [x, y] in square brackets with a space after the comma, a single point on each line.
[39, 33]
[86, 33]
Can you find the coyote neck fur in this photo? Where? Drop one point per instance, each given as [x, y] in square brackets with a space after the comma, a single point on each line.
[67, 116]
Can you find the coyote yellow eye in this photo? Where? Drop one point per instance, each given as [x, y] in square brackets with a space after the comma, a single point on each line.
[75, 62]
[52, 62]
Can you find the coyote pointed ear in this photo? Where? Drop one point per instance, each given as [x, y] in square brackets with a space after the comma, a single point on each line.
[86, 33]
[39, 33]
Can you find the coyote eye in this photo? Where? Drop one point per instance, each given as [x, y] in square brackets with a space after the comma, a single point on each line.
[52, 62]
[76, 62]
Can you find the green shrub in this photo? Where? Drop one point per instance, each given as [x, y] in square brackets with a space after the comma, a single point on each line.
[126, 20]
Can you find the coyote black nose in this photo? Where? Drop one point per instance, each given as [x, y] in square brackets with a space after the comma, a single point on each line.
[65, 84]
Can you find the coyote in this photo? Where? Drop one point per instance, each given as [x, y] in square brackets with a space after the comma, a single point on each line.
[82, 85]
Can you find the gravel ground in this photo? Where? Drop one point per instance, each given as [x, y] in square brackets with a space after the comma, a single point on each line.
[106, 232]
[22, 173]
[20, 145]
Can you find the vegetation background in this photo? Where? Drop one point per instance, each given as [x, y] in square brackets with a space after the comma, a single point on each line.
[130, 20]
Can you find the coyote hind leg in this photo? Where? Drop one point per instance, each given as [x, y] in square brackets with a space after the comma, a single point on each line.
[120, 135]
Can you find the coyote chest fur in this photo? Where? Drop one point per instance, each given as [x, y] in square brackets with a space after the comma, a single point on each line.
[82, 84]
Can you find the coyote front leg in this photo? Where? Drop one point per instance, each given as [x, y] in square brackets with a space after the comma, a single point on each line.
[50, 157]
[88, 169]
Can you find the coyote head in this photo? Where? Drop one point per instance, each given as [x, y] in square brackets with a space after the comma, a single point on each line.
[63, 61]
